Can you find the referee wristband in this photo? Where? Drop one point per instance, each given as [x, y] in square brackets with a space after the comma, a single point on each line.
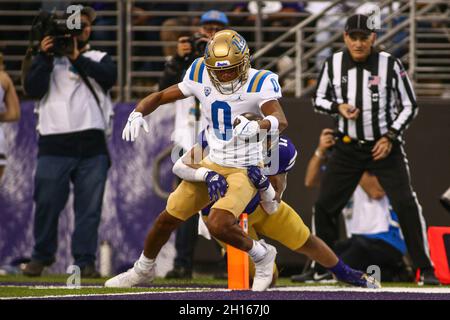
[273, 123]
[200, 174]
[391, 135]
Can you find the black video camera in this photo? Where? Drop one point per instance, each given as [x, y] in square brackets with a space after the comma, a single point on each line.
[51, 24]
[198, 42]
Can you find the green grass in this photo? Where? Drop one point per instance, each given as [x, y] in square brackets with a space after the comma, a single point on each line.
[204, 281]
[61, 279]
[56, 279]
[6, 292]
[11, 283]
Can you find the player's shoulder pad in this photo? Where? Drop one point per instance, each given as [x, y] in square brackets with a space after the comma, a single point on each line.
[288, 153]
[196, 70]
[258, 79]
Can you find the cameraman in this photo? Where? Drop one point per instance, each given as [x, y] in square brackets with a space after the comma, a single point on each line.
[74, 111]
[190, 48]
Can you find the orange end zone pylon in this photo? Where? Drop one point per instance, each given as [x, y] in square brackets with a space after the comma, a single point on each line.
[238, 276]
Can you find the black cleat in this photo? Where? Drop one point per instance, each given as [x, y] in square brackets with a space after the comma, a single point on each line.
[313, 276]
[427, 277]
[179, 273]
[303, 277]
[89, 271]
[33, 268]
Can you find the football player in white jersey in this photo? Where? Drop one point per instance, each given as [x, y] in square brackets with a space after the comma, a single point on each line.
[226, 86]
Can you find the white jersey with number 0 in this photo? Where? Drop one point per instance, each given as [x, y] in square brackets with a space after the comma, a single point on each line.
[220, 111]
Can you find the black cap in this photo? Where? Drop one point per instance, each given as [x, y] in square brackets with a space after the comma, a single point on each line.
[89, 12]
[358, 23]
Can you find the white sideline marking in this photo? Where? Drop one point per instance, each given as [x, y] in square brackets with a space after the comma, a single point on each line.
[49, 287]
[64, 287]
[185, 290]
[353, 289]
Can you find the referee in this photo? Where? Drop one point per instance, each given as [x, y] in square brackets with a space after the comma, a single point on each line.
[371, 97]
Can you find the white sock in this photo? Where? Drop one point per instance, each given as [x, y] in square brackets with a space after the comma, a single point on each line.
[144, 263]
[257, 252]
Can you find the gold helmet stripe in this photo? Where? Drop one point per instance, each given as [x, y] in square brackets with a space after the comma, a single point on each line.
[257, 81]
[197, 68]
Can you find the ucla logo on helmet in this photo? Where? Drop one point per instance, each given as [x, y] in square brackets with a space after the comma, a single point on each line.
[239, 43]
[207, 91]
[222, 63]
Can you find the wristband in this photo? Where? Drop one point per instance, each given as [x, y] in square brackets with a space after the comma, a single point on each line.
[268, 194]
[391, 135]
[273, 123]
[200, 174]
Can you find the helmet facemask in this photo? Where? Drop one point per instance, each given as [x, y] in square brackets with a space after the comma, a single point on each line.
[226, 51]
[234, 85]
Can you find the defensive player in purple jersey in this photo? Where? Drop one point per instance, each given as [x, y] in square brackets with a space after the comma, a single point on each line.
[271, 217]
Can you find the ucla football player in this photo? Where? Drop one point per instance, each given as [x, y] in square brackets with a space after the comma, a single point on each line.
[271, 217]
[226, 87]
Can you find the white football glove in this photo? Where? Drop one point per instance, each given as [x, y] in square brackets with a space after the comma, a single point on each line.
[134, 123]
[246, 128]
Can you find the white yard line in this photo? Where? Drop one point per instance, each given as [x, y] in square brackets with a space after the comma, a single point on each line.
[175, 290]
[351, 289]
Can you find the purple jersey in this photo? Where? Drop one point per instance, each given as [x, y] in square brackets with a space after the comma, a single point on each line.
[286, 156]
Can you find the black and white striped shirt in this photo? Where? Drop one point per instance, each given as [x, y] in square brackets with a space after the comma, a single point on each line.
[379, 87]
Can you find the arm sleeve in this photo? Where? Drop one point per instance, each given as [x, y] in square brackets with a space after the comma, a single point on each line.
[406, 97]
[269, 205]
[103, 72]
[37, 80]
[187, 173]
[322, 100]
